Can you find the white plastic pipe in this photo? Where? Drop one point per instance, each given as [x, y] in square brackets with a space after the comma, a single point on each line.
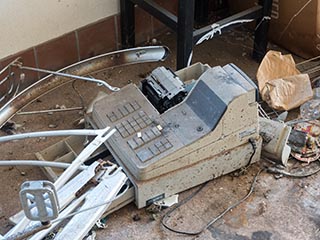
[37, 163]
[56, 133]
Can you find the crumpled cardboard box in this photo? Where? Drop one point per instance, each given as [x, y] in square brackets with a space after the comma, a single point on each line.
[280, 84]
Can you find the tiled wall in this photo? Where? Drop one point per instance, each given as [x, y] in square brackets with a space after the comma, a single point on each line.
[91, 40]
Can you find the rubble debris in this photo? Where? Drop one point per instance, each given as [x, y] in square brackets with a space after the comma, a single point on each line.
[281, 85]
[83, 217]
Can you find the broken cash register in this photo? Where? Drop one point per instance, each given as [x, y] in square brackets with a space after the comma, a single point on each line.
[181, 129]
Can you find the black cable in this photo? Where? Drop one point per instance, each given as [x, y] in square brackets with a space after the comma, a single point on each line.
[163, 222]
[179, 205]
[254, 148]
[253, 143]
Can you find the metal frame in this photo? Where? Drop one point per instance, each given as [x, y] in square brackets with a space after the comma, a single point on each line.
[187, 36]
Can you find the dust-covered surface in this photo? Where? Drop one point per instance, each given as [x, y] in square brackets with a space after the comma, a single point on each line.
[278, 209]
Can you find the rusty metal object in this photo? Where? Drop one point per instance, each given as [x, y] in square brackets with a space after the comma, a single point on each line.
[85, 67]
[306, 148]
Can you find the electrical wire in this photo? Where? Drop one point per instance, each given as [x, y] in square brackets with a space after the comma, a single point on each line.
[179, 205]
[215, 219]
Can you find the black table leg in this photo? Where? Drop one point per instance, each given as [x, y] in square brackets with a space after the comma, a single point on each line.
[127, 22]
[201, 12]
[185, 32]
[261, 32]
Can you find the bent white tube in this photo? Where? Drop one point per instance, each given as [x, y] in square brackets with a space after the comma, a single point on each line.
[37, 163]
[101, 82]
[56, 133]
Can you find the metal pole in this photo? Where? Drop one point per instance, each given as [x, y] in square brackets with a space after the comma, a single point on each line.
[261, 32]
[57, 133]
[185, 32]
[100, 82]
[36, 163]
[127, 22]
[50, 111]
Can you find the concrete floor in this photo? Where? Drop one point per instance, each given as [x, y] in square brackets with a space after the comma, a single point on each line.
[278, 209]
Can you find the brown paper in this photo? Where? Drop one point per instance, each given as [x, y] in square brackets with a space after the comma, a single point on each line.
[287, 93]
[275, 65]
[281, 85]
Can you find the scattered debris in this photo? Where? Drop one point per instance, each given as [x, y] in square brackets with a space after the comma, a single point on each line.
[103, 184]
[304, 141]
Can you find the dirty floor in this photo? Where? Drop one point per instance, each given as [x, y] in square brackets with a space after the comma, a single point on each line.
[278, 209]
